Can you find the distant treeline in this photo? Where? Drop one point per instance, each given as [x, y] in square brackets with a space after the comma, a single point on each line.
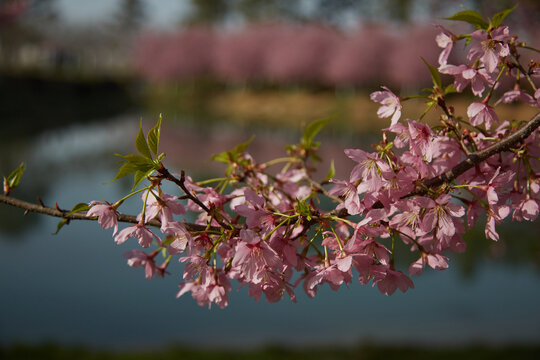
[289, 54]
[33, 102]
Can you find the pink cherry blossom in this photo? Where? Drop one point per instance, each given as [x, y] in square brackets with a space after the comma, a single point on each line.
[481, 113]
[138, 258]
[253, 254]
[421, 140]
[489, 47]
[445, 40]
[517, 95]
[495, 216]
[463, 75]
[392, 281]
[527, 210]
[349, 192]
[370, 169]
[141, 232]
[214, 289]
[107, 216]
[408, 219]
[164, 206]
[390, 104]
[440, 216]
[325, 274]
[436, 261]
[254, 212]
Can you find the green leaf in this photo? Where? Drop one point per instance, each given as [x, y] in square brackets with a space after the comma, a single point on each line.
[60, 225]
[126, 169]
[450, 89]
[471, 17]
[79, 208]
[331, 172]
[153, 137]
[137, 160]
[500, 16]
[303, 209]
[14, 178]
[141, 145]
[133, 163]
[231, 156]
[140, 176]
[435, 76]
[222, 157]
[240, 148]
[310, 131]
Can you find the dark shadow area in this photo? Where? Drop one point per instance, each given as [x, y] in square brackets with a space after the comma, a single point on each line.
[366, 352]
[32, 102]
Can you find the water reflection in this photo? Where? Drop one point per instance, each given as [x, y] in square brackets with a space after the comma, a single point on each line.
[75, 287]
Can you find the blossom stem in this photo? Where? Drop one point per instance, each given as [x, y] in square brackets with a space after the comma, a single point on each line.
[288, 219]
[119, 202]
[488, 96]
[525, 73]
[337, 238]
[279, 160]
[209, 181]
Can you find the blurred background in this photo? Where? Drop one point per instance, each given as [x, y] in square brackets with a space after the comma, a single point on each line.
[77, 77]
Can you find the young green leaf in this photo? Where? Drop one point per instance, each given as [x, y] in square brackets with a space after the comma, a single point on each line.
[500, 16]
[450, 89]
[240, 148]
[140, 176]
[231, 156]
[331, 172]
[14, 178]
[153, 137]
[471, 17]
[126, 169]
[311, 130]
[303, 209]
[141, 145]
[222, 157]
[60, 225]
[80, 207]
[435, 76]
[137, 160]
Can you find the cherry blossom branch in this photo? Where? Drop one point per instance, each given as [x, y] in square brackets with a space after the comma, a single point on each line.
[57, 212]
[181, 183]
[479, 156]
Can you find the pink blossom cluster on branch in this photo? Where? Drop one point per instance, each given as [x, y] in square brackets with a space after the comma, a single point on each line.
[266, 225]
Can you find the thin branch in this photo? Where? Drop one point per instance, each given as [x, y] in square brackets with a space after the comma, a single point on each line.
[181, 183]
[42, 209]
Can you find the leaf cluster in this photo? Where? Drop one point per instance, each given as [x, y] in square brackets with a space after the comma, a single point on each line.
[474, 18]
[147, 161]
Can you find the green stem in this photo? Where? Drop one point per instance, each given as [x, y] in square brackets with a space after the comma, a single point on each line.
[119, 202]
[280, 160]
[277, 227]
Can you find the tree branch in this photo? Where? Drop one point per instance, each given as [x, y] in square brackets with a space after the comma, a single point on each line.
[25, 205]
[479, 156]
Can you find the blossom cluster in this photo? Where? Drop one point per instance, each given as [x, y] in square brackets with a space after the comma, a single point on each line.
[273, 231]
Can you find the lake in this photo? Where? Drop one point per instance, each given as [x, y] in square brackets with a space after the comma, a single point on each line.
[75, 288]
